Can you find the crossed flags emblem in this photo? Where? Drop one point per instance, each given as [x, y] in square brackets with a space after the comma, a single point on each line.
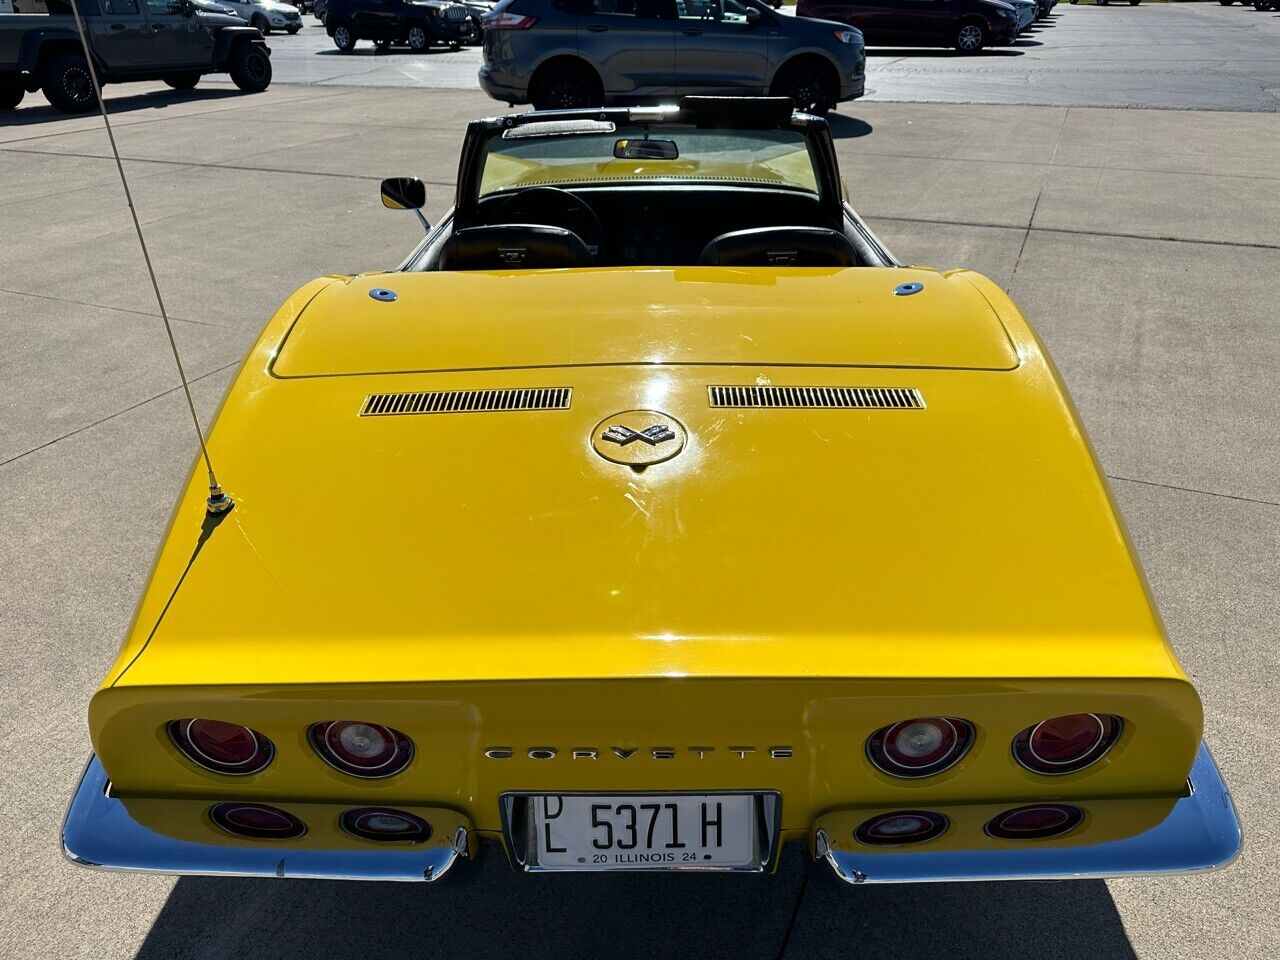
[653, 436]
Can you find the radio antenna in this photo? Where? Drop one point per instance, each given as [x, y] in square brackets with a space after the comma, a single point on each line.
[217, 501]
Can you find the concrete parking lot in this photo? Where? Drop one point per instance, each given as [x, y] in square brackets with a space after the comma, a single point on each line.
[1140, 242]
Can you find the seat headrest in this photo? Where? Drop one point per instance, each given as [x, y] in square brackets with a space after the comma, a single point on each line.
[522, 246]
[780, 247]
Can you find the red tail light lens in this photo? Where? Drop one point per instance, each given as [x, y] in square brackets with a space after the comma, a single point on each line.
[220, 746]
[920, 747]
[1036, 822]
[902, 827]
[508, 21]
[257, 821]
[362, 749]
[385, 824]
[1066, 744]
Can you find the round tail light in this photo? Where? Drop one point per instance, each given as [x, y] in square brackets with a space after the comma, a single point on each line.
[901, 827]
[920, 747]
[1036, 822]
[257, 821]
[362, 749]
[385, 824]
[220, 746]
[1066, 744]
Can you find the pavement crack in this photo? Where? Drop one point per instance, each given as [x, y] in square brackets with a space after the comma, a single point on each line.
[1203, 493]
[104, 306]
[118, 413]
[1057, 142]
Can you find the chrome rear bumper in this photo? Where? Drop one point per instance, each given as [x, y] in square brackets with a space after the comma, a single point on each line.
[99, 832]
[1200, 833]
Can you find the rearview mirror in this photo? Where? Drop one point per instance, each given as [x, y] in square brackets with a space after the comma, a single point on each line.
[645, 150]
[403, 193]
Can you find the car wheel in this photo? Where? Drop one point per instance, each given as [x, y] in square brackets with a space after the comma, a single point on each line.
[67, 84]
[418, 38]
[259, 21]
[182, 81]
[343, 38]
[809, 86]
[293, 30]
[250, 68]
[11, 92]
[565, 86]
[971, 37]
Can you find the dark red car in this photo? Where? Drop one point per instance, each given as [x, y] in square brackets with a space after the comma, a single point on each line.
[967, 25]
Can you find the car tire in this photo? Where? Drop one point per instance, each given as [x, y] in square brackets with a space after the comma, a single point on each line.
[971, 36]
[343, 38]
[418, 39]
[11, 92]
[565, 86]
[293, 30]
[261, 22]
[182, 81]
[809, 84]
[250, 68]
[67, 83]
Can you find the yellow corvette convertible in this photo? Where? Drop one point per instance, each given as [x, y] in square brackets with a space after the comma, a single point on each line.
[649, 516]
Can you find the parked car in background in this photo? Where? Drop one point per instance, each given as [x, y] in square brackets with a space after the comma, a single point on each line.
[580, 53]
[1027, 11]
[131, 40]
[268, 15]
[212, 7]
[479, 9]
[967, 25]
[1132, 3]
[320, 9]
[419, 24]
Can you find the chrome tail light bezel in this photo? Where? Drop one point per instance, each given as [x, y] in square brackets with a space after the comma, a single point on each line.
[964, 734]
[1110, 729]
[221, 816]
[1072, 816]
[401, 757]
[938, 824]
[179, 732]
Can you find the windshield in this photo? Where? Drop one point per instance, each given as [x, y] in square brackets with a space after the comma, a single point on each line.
[772, 158]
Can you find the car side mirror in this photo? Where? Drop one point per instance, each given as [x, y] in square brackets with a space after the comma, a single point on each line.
[405, 193]
[753, 16]
[187, 8]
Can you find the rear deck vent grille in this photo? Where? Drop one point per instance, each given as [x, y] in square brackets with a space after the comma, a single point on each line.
[466, 401]
[856, 398]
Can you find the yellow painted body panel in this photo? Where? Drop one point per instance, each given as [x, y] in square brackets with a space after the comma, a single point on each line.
[793, 577]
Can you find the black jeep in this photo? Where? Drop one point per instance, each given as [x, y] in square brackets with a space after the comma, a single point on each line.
[165, 40]
[416, 23]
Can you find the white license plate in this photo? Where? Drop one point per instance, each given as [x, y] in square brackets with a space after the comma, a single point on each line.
[645, 832]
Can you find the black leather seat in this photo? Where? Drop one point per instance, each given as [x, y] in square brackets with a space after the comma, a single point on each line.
[780, 247]
[521, 246]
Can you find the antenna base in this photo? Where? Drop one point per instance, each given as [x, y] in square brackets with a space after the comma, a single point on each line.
[218, 501]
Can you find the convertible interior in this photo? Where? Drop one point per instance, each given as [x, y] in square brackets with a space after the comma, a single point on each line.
[544, 227]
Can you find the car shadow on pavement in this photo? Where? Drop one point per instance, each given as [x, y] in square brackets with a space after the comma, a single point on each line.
[155, 100]
[847, 128]
[375, 52]
[940, 52]
[485, 909]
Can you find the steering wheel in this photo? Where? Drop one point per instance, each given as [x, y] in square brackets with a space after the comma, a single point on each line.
[554, 207]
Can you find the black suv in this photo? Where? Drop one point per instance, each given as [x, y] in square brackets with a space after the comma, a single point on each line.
[416, 23]
[165, 40]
